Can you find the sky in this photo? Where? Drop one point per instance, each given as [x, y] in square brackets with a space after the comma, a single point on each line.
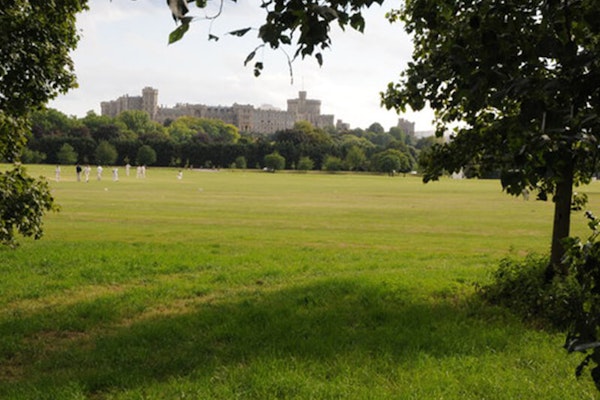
[124, 48]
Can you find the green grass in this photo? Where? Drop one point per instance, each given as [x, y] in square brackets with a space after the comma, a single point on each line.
[266, 286]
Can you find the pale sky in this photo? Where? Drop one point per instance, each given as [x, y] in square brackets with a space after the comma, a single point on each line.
[124, 48]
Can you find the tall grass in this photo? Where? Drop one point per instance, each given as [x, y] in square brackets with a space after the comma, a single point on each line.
[257, 286]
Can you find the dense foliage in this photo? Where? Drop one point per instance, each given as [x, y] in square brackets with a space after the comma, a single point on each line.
[132, 137]
[520, 79]
[36, 37]
[520, 286]
[23, 202]
[583, 256]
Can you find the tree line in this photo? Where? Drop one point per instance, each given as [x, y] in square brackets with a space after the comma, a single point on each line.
[132, 137]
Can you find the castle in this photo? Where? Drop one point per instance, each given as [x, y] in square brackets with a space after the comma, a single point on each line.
[246, 118]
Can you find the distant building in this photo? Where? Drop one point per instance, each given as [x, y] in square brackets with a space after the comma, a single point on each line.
[342, 126]
[265, 119]
[305, 109]
[148, 102]
[407, 127]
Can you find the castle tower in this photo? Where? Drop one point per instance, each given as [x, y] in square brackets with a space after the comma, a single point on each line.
[150, 101]
[305, 109]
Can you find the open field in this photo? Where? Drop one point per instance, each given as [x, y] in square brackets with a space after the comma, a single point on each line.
[252, 285]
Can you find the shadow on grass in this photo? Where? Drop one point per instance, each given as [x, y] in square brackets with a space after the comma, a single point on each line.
[313, 323]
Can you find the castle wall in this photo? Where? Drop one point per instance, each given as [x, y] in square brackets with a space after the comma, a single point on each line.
[245, 117]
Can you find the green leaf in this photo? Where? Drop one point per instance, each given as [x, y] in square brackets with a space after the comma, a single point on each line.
[249, 58]
[328, 13]
[319, 58]
[357, 22]
[239, 32]
[178, 33]
[258, 67]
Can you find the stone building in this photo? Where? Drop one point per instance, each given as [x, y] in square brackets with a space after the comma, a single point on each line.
[148, 102]
[407, 126]
[246, 118]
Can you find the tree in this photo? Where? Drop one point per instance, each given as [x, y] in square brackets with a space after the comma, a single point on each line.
[400, 135]
[105, 153]
[205, 130]
[391, 161]
[36, 40]
[146, 155]
[376, 127]
[274, 161]
[305, 22]
[23, 202]
[240, 162]
[137, 121]
[66, 154]
[355, 159]
[305, 164]
[521, 79]
[333, 164]
[32, 156]
[51, 122]
[102, 127]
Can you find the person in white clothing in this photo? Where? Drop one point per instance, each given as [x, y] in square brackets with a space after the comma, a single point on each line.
[99, 170]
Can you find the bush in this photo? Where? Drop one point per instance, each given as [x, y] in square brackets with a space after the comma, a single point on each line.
[105, 153]
[333, 164]
[274, 161]
[240, 162]
[583, 259]
[32, 156]
[66, 155]
[146, 155]
[305, 164]
[521, 286]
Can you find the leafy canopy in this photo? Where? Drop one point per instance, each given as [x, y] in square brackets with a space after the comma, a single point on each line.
[36, 37]
[303, 24]
[520, 78]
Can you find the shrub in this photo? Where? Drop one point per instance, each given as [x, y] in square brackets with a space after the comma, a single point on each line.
[66, 154]
[274, 161]
[240, 162]
[105, 153]
[305, 164]
[32, 156]
[333, 164]
[146, 155]
[521, 286]
[583, 260]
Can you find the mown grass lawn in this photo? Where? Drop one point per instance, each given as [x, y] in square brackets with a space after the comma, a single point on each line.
[263, 286]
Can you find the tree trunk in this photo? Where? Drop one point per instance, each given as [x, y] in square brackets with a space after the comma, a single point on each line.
[562, 223]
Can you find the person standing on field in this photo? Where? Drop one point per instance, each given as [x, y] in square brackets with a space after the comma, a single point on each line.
[86, 173]
[99, 171]
[57, 173]
[78, 172]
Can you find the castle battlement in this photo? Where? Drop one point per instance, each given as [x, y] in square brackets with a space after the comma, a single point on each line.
[246, 118]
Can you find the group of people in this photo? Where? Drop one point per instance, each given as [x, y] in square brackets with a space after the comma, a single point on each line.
[83, 173]
[86, 171]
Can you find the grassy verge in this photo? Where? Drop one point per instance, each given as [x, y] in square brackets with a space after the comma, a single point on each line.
[257, 286]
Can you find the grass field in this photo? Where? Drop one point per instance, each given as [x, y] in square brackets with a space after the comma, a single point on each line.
[251, 285]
